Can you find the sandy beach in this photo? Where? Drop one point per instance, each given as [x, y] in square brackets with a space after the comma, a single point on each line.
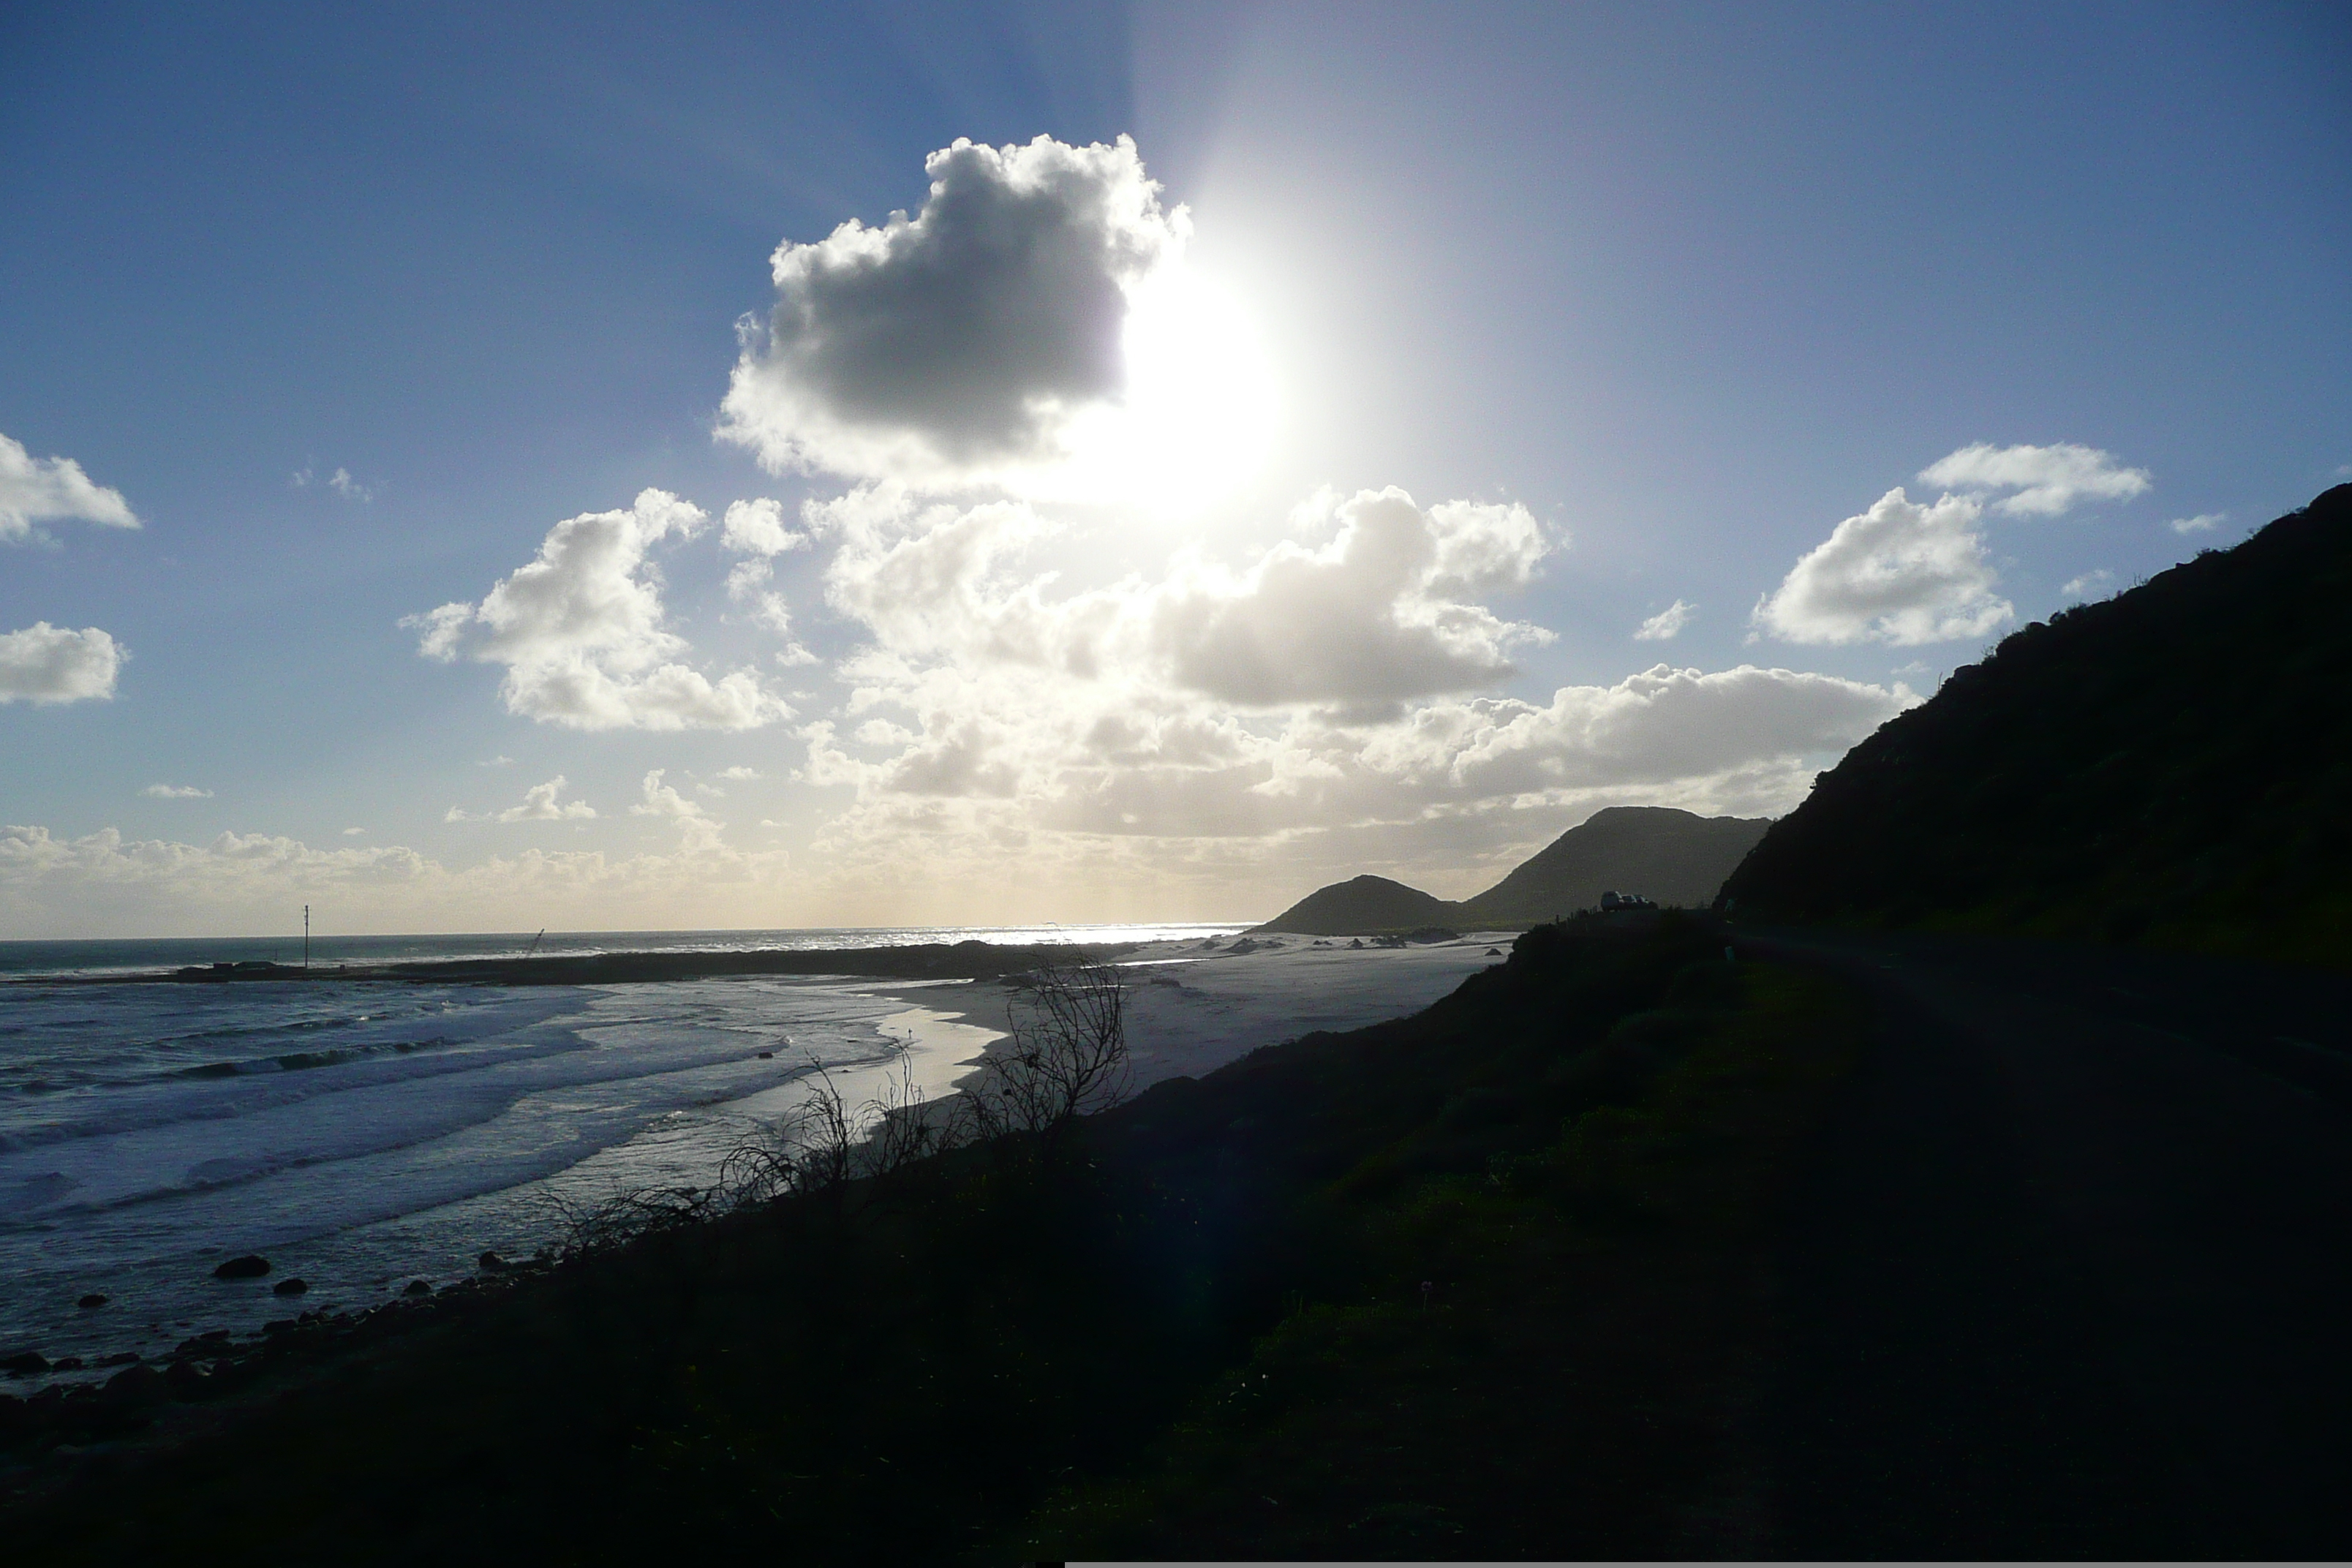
[1196, 1005]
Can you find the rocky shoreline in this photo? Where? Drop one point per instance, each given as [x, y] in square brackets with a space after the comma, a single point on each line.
[207, 1379]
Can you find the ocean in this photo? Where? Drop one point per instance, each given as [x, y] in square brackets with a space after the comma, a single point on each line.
[363, 1134]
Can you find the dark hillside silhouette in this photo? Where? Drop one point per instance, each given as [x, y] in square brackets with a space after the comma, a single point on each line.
[1668, 855]
[2170, 765]
[1363, 906]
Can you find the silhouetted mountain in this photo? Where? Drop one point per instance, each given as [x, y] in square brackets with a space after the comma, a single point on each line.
[1361, 907]
[2172, 764]
[1672, 857]
[1668, 855]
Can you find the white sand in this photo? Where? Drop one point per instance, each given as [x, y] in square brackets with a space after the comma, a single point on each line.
[1222, 1004]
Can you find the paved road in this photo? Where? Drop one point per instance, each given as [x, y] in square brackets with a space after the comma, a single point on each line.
[2072, 1275]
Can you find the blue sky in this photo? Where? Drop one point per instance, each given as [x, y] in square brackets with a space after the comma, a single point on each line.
[1639, 306]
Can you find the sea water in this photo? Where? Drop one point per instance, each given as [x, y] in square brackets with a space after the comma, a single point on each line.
[361, 1134]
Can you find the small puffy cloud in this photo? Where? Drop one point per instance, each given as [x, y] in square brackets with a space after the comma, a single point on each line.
[580, 631]
[1372, 617]
[757, 528]
[500, 761]
[2203, 522]
[658, 799]
[34, 491]
[1663, 625]
[45, 664]
[354, 832]
[1901, 572]
[2048, 480]
[965, 342]
[539, 804]
[739, 774]
[2090, 584]
[350, 489]
[175, 792]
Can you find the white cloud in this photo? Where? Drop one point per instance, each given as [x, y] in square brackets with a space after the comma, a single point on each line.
[1663, 625]
[354, 832]
[966, 343]
[2203, 522]
[695, 827]
[539, 804]
[1900, 573]
[45, 664]
[1008, 727]
[350, 489]
[1660, 725]
[1370, 618]
[175, 792]
[739, 774]
[45, 489]
[501, 761]
[2048, 480]
[580, 631]
[2090, 584]
[104, 884]
[757, 528]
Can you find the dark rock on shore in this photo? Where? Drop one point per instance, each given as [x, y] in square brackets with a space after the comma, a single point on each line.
[187, 1381]
[91, 1300]
[136, 1385]
[25, 1364]
[252, 1266]
[490, 1263]
[294, 1287]
[418, 1288]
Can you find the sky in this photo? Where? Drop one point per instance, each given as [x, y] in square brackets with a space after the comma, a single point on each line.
[480, 469]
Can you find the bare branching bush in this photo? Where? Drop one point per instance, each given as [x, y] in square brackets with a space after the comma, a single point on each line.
[1068, 1055]
[811, 1150]
[904, 1127]
[583, 1228]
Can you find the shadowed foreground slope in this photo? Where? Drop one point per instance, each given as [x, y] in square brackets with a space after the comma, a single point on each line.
[1023, 1348]
[2170, 765]
[2065, 1278]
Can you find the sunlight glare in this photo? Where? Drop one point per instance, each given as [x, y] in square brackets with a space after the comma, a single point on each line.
[1201, 405]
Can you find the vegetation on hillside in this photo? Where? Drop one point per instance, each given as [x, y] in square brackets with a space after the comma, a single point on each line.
[2169, 766]
[1485, 1280]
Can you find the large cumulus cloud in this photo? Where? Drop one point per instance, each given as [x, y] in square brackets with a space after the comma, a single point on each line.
[1326, 690]
[581, 632]
[1903, 573]
[963, 342]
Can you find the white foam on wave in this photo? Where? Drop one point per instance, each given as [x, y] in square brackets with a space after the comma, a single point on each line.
[374, 1159]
